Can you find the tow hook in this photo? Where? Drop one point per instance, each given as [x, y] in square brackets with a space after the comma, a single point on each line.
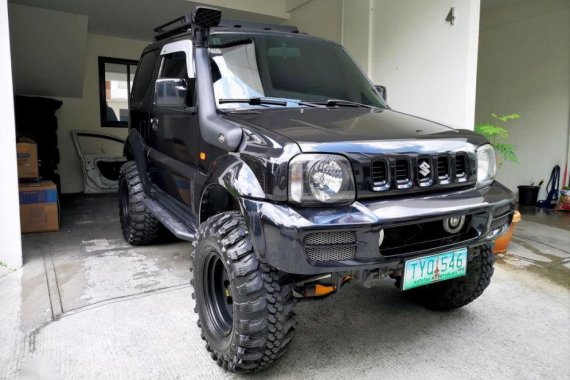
[367, 277]
[320, 286]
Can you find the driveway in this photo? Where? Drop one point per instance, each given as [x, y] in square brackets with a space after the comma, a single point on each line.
[88, 306]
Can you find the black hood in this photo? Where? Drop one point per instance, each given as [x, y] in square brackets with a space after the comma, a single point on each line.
[357, 129]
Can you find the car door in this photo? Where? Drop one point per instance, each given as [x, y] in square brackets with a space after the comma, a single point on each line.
[174, 123]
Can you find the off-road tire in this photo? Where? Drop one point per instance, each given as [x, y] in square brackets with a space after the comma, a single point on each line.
[263, 321]
[139, 226]
[458, 292]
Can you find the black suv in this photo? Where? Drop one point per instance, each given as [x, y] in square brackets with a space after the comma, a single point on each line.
[276, 156]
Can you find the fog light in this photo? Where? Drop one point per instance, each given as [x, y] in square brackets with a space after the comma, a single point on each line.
[454, 224]
[381, 238]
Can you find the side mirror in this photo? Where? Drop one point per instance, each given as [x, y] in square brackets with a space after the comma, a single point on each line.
[383, 92]
[170, 92]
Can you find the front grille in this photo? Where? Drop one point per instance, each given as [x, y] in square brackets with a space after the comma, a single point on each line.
[331, 253]
[402, 172]
[503, 210]
[427, 235]
[379, 174]
[502, 215]
[398, 173]
[443, 168]
[460, 166]
[425, 170]
[500, 222]
[331, 246]
[322, 238]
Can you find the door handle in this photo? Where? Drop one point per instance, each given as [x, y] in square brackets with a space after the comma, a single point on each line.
[154, 123]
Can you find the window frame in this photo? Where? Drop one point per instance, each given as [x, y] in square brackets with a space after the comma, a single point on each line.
[102, 91]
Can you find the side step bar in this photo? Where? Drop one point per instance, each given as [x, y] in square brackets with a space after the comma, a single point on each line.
[173, 224]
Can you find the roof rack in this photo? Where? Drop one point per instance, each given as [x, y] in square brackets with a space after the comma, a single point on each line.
[183, 23]
[237, 24]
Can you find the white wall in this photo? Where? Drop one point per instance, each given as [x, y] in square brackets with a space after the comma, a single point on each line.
[357, 30]
[427, 65]
[83, 112]
[524, 67]
[11, 251]
[321, 18]
[49, 48]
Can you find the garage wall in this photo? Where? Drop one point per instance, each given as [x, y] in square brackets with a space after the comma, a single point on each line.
[428, 65]
[47, 46]
[83, 112]
[357, 30]
[11, 251]
[321, 18]
[524, 67]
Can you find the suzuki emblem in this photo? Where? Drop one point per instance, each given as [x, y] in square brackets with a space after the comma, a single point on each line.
[425, 169]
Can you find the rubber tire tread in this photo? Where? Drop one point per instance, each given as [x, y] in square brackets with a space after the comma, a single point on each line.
[263, 317]
[458, 292]
[142, 228]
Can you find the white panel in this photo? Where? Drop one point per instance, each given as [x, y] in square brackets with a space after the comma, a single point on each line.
[356, 30]
[11, 251]
[48, 51]
[321, 18]
[83, 113]
[427, 64]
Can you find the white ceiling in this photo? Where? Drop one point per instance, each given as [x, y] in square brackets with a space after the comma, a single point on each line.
[133, 18]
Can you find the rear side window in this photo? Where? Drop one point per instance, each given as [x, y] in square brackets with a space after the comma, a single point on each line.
[144, 76]
[174, 66]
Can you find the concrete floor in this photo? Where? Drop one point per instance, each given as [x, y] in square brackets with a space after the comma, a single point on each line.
[552, 218]
[88, 306]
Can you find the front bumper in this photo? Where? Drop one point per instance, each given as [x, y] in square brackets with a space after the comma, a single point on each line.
[278, 230]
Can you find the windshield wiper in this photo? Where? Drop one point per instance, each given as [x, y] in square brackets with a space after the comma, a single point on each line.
[280, 102]
[338, 103]
[254, 101]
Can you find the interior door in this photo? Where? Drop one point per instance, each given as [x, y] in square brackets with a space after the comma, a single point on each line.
[174, 124]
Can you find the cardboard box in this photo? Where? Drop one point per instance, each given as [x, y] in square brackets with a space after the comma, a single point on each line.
[39, 207]
[27, 158]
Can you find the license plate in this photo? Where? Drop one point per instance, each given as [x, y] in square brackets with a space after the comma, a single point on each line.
[435, 268]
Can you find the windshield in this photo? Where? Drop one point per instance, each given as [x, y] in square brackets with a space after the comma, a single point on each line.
[290, 68]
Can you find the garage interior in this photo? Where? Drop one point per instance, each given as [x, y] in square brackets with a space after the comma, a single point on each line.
[81, 303]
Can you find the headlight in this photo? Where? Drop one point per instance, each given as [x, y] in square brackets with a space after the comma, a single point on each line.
[486, 165]
[320, 179]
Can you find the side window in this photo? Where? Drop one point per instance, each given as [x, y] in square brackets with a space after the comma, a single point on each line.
[115, 83]
[144, 76]
[174, 67]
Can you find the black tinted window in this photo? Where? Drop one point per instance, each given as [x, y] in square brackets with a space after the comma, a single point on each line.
[144, 76]
[174, 66]
[286, 67]
[115, 84]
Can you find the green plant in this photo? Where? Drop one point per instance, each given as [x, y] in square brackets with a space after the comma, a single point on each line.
[498, 135]
[3, 264]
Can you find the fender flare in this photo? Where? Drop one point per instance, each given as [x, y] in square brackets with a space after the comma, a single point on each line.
[235, 176]
[136, 149]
